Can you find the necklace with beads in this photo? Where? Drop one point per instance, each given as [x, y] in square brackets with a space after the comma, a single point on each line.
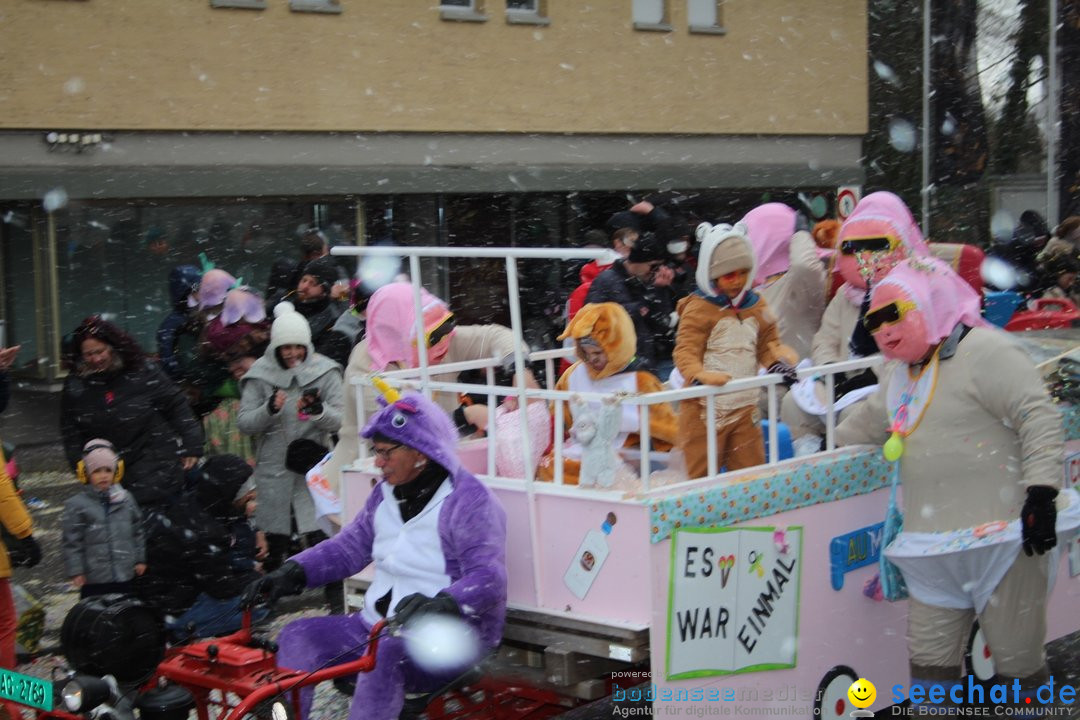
[910, 401]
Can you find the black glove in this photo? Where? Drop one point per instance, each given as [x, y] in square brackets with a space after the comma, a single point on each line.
[311, 403]
[862, 343]
[24, 552]
[787, 370]
[1038, 518]
[848, 382]
[289, 579]
[270, 403]
[416, 605]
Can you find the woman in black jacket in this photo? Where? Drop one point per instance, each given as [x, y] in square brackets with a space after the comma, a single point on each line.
[114, 392]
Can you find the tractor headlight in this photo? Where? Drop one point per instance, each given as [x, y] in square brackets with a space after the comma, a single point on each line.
[83, 693]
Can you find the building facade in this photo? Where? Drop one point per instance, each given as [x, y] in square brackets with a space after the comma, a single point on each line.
[138, 135]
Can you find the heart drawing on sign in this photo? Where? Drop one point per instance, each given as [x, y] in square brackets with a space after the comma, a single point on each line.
[725, 563]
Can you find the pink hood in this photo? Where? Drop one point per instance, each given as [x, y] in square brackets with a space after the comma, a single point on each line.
[883, 213]
[770, 227]
[391, 323]
[943, 297]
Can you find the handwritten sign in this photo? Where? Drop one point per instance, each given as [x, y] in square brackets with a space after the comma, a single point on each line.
[854, 550]
[733, 600]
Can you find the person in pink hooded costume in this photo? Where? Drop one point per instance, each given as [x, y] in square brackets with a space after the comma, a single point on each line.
[390, 344]
[980, 467]
[790, 273]
[391, 331]
[879, 233]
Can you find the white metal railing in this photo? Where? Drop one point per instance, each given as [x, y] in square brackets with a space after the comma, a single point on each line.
[557, 398]
[422, 375]
[828, 374]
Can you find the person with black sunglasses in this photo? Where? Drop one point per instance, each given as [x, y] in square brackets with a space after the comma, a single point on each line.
[391, 343]
[979, 446]
[879, 233]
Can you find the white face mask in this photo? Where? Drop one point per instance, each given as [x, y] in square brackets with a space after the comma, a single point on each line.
[677, 247]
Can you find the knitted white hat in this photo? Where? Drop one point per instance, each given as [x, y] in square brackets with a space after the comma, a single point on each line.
[289, 328]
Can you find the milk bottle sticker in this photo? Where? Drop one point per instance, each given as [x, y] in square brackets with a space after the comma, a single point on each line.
[590, 557]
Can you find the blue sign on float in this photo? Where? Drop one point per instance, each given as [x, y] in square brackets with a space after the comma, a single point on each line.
[854, 550]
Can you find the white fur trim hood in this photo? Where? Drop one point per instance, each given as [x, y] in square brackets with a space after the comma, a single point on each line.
[711, 237]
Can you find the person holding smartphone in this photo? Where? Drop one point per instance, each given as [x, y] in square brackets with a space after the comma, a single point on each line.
[291, 393]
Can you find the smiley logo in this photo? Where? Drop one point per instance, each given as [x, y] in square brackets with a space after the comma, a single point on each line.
[862, 693]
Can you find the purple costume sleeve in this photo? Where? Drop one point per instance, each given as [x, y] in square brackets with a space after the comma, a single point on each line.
[473, 535]
[348, 552]
[472, 530]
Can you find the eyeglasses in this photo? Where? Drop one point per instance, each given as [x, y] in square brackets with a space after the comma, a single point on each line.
[384, 453]
[436, 334]
[889, 314]
[877, 243]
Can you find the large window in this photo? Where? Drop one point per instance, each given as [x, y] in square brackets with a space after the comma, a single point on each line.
[115, 259]
[23, 284]
[316, 6]
[242, 4]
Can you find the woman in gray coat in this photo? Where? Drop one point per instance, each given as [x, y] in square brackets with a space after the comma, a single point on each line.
[290, 393]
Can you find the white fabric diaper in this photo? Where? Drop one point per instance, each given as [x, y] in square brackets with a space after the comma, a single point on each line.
[960, 569]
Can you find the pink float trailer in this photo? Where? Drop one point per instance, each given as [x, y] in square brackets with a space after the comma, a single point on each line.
[737, 593]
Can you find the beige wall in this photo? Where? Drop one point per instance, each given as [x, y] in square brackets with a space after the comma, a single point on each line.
[784, 67]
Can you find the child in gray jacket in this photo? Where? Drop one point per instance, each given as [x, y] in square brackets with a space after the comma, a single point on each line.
[104, 546]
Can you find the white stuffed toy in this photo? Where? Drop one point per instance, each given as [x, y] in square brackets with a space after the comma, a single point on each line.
[595, 431]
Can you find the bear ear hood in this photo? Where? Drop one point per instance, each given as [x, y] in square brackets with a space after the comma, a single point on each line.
[610, 327]
[724, 248]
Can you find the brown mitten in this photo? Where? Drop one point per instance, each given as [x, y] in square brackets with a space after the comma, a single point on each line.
[712, 377]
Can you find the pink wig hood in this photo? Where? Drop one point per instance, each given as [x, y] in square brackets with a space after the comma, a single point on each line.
[943, 297]
[770, 227]
[391, 323]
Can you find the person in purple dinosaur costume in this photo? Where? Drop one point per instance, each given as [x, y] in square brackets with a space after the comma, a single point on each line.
[437, 536]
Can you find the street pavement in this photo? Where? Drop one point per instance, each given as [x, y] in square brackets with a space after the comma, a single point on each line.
[46, 492]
